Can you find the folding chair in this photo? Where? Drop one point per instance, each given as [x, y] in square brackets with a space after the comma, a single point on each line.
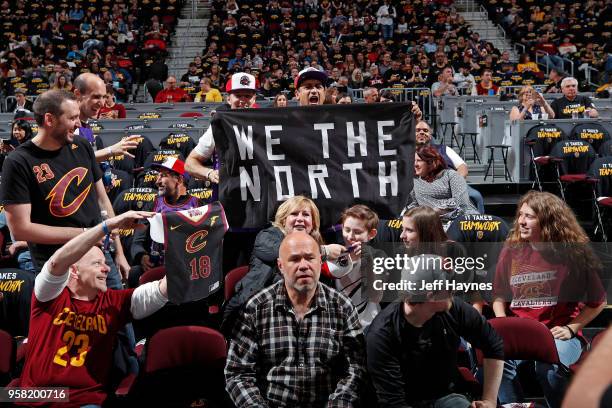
[232, 278]
[573, 159]
[600, 173]
[540, 139]
[594, 133]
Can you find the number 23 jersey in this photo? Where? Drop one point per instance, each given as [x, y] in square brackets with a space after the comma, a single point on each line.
[71, 343]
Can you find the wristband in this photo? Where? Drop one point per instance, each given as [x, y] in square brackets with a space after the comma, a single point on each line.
[105, 228]
[571, 331]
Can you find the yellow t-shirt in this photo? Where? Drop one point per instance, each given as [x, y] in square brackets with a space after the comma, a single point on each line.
[212, 96]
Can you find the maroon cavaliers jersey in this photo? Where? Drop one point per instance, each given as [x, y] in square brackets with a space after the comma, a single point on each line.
[71, 343]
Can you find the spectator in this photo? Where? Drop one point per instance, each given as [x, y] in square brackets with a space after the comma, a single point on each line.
[566, 48]
[547, 246]
[551, 54]
[385, 16]
[531, 106]
[486, 86]
[296, 214]
[526, 65]
[445, 85]
[171, 196]
[333, 368]
[375, 80]
[280, 101]
[344, 98]
[111, 109]
[191, 77]
[207, 93]
[357, 80]
[571, 104]
[451, 158]
[436, 319]
[90, 91]
[330, 95]
[387, 96]
[72, 307]
[237, 60]
[241, 91]
[370, 95]
[555, 77]
[465, 81]
[62, 83]
[310, 87]
[171, 93]
[21, 103]
[438, 187]
[353, 270]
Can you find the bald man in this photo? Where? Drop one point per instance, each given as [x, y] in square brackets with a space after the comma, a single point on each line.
[297, 342]
[90, 90]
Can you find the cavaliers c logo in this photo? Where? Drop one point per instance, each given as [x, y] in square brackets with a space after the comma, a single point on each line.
[57, 195]
[196, 241]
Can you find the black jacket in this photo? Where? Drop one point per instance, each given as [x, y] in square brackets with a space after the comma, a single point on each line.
[262, 272]
[409, 364]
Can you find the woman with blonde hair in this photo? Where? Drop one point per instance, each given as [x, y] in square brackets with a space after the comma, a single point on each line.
[531, 103]
[548, 272]
[298, 213]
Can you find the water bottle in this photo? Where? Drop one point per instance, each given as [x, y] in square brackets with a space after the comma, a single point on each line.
[107, 176]
[109, 245]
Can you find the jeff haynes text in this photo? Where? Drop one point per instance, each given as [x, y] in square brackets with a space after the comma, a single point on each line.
[437, 285]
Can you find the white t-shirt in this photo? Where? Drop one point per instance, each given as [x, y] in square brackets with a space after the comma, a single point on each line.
[206, 144]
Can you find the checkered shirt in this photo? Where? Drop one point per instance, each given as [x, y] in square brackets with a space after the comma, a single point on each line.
[275, 360]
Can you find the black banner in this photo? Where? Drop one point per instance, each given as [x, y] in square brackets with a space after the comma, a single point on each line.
[338, 155]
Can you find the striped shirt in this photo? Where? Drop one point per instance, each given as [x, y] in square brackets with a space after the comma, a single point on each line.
[448, 191]
[275, 360]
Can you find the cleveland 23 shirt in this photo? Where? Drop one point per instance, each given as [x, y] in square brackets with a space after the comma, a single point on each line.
[58, 184]
[71, 343]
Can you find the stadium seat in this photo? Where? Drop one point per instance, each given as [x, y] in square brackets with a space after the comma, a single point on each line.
[191, 115]
[232, 278]
[7, 357]
[540, 139]
[182, 364]
[524, 339]
[152, 274]
[573, 159]
[600, 173]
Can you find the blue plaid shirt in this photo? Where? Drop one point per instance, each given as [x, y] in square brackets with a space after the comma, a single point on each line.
[275, 360]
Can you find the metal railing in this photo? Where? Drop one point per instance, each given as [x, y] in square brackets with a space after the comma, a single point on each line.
[422, 96]
[589, 73]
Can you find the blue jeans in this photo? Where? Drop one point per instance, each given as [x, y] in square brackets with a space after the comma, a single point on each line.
[476, 199]
[553, 61]
[452, 401]
[387, 31]
[113, 281]
[552, 380]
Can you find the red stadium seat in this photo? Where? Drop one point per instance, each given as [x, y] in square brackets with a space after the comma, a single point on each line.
[152, 274]
[191, 115]
[525, 339]
[232, 278]
[182, 364]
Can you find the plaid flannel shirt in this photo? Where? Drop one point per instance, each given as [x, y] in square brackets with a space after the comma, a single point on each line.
[276, 361]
